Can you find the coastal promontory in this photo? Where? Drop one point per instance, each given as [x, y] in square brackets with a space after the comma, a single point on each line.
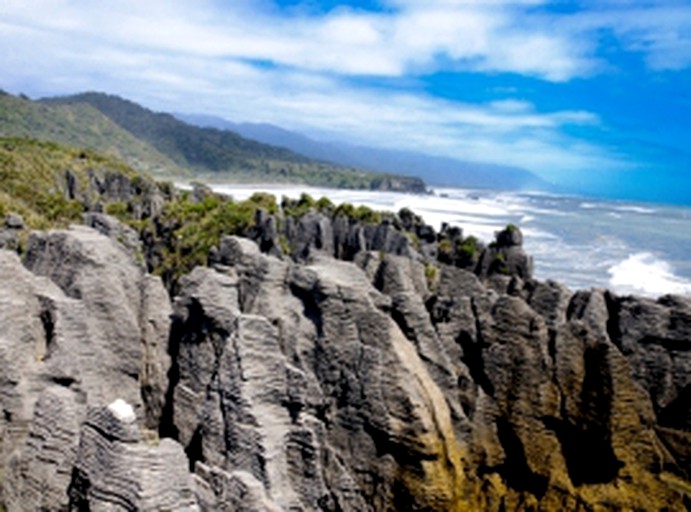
[177, 350]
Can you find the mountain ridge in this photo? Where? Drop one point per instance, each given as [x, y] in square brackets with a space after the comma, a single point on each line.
[435, 170]
[81, 126]
[160, 144]
[213, 151]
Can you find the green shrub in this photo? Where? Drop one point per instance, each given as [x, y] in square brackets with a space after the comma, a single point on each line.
[118, 209]
[325, 205]
[367, 216]
[444, 248]
[469, 248]
[194, 228]
[431, 276]
[499, 264]
[345, 210]
[285, 245]
[299, 207]
[414, 239]
[55, 208]
[264, 201]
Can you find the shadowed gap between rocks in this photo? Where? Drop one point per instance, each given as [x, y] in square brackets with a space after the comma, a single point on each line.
[678, 413]
[515, 469]
[589, 458]
[167, 426]
[192, 329]
[472, 358]
[194, 450]
[669, 344]
[48, 323]
[586, 440]
[613, 316]
[310, 308]
[78, 492]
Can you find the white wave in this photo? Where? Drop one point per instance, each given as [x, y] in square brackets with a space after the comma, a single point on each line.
[635, 209]
[588, 206]
[646, 274]
[536, 234]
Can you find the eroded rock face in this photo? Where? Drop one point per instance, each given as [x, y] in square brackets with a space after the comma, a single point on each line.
[80, 326]
[367, 365]
[114, 470]
[297, 376]
[332, 385]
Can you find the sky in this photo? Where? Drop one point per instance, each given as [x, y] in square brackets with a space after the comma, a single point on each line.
[592, 95]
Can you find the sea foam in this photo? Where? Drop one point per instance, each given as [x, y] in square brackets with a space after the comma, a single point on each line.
[582, 244]
[644, 273]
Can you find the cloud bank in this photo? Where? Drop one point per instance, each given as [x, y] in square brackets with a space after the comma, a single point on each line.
[358, 73]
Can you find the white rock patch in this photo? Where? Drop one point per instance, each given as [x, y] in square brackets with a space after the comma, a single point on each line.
[122, 411]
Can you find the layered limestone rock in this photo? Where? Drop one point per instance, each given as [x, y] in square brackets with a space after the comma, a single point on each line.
[114, 470]
[296, 376]
[80, 325]
[318, 384]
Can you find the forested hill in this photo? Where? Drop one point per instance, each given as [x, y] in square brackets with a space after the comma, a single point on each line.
[213, 151]
[79, 125]
[160, 144]
[188, 145]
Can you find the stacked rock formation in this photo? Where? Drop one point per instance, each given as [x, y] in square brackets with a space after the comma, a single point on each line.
[313, 383]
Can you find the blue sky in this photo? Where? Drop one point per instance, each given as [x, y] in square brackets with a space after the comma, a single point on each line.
[591, 94]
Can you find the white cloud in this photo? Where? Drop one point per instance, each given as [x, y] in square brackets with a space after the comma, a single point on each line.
[660, 30]
[475, 34]
[245, 61]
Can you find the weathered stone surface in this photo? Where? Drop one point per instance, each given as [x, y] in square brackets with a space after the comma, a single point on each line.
[506, 256]
[90, 328]
[313, 231]
[332, 410]
[14, 221]
[221, 491]
[123, 311]
[115, 230]
[114, 470]
[37, 478]
[318, 384]
[265, 233]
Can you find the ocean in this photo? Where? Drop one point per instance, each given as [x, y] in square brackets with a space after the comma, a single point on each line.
[628, 247]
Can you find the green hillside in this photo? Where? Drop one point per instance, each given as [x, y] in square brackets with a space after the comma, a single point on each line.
[211, 152]
[159, 144]
[49, 185]
[79, 125]
[205, 149]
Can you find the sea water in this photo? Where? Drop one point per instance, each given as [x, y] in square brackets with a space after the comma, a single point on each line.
[627, 247]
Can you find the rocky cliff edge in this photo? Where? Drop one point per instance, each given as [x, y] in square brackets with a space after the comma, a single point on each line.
[313, 383]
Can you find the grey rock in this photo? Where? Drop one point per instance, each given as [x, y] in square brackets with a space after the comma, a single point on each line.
[37, 478]
[384, 237]
[115, 230]
[92, 327]
[313, 231]
[125, 310]
[14, 221]
[114, 470]
[506, 256]
[288, 401]
[550, 300]
[265, 233]
[319, 384]
[238, 491]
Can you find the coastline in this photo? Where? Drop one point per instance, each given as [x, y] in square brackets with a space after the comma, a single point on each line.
[584, 253]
